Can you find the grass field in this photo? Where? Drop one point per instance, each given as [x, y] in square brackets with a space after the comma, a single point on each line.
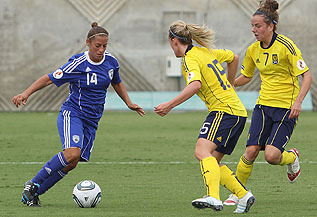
[146, 168]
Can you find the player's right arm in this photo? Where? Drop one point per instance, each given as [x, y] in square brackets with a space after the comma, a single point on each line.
[247, 70]
[37, 85]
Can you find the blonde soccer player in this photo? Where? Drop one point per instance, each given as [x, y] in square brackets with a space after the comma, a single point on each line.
[227, 116]
[277, 108]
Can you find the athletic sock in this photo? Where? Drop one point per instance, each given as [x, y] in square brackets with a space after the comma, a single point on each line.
[211, 174]
[287, 158]
[244, 169]
[51, 181]
[229, 180]
[57, 163]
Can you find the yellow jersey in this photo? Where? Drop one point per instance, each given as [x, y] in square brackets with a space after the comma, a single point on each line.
[202, 64]
[280, 65]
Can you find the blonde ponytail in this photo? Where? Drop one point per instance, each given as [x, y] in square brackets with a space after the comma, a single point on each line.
[188, 32]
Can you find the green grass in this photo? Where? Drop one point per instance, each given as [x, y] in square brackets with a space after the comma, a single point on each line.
[160, 189]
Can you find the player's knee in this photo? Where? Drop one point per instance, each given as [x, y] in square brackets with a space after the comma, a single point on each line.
[198, 155]
[72, 155]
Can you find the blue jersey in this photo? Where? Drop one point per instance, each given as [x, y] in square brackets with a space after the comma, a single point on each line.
[88, 83]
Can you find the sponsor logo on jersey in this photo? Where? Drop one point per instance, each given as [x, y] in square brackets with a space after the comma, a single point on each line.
[58, 74]
[301, 64]
[275, 58]
[257, 60]
[190, 76]
[88, 69]
[76, 138]
[110, 73]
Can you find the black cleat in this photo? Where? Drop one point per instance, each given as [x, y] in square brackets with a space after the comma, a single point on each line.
[29, 191]
[35, 202]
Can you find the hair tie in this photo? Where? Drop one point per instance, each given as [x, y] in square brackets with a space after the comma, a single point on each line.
[176, 36]
[267, 16]
[101, 33]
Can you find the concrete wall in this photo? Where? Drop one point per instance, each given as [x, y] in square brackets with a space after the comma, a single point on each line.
[38, 36]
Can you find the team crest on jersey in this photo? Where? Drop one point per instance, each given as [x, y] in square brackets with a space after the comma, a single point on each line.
[190, 76]
[275, 58]
[110, 73]
[58, 74]
[301, 64]
[76, 138]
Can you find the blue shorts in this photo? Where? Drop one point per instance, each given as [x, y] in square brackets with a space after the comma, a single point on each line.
[76, 132]
[270, 125]
[223, 129]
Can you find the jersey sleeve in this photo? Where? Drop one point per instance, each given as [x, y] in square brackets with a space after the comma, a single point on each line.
[191, 69]
[296, 61]
[223, 55]
[67, 73]
[116, 76]
[248, 65]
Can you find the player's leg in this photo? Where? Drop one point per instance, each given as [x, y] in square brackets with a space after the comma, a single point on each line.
[275, 152]
[258, 132]
[231, 129]
[245, 164]
[211, 175]
[69, 127]
[209, 165]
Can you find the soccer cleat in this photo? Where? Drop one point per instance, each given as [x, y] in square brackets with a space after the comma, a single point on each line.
[35, 202]
[208, 202]
[232, 200]
[293, 170]
[245, 203]
[29, 191]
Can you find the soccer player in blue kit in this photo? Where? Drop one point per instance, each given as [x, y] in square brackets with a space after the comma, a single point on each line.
[89, 74]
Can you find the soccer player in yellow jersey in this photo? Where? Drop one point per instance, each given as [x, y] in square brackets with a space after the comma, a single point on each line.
[226, 119]
[275, 114]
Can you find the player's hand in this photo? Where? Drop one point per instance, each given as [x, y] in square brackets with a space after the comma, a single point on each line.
[21, 98]
[137, 108]
[162, 109]
[295, 110]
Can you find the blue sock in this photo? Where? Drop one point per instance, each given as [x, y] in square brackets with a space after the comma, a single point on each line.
[57, 163]
[51, 181]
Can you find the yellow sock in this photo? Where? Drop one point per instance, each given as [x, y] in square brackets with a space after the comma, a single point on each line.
[211, 174]
[229, 180]
[287, 158]
[244, 169]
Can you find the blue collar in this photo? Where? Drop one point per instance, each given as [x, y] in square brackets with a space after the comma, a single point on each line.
[272, 41]
[189, 48]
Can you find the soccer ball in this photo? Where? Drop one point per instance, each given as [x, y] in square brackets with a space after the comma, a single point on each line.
[87, 194]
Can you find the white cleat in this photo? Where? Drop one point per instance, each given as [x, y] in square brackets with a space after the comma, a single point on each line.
[245, 203]
[232, 200]
[293, 170]
[208, 202]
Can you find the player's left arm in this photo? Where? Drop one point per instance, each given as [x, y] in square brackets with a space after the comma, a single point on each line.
[192, 88]
[122, 92]
[297, 105]
[232, 69]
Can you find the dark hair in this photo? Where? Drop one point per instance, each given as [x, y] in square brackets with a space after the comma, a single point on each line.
[268, 8]
[96, 30]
